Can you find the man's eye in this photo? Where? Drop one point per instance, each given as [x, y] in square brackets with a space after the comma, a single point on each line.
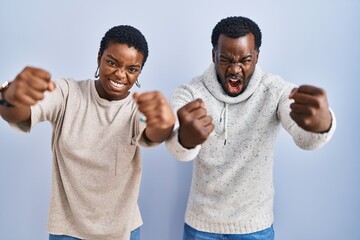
[224, 61]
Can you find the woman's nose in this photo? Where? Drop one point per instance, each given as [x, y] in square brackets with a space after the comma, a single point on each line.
[120, 72]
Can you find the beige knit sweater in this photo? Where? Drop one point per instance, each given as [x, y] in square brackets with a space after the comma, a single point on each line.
[96, 161]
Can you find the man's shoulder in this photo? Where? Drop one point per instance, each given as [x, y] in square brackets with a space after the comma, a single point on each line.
[275, 81]
[275, 84]
[193, 85]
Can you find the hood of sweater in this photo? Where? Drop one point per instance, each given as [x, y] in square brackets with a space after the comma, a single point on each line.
[210, 80]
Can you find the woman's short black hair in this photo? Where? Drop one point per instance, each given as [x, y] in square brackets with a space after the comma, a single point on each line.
[235, 27]
[125, 34]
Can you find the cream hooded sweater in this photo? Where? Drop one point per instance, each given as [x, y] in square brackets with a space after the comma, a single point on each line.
[232, 184]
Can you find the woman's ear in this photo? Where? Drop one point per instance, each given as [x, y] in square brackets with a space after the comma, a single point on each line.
[98, 59]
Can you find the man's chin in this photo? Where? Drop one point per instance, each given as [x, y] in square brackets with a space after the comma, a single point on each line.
[233, 94]
[234, 91]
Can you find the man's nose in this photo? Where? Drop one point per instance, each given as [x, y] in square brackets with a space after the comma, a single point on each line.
[235, 68]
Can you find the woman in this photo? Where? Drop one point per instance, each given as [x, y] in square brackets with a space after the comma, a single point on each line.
[98, 127]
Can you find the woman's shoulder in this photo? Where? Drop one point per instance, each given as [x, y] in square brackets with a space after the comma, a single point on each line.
[70, 84]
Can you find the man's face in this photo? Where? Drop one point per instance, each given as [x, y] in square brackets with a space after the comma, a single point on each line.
[235, 60]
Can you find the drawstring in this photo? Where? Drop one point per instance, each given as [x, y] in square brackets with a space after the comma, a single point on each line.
[224, 114]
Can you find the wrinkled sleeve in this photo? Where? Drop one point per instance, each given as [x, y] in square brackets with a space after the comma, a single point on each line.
[304, 139]
[140, 138]
[182, 95]
[48, 109]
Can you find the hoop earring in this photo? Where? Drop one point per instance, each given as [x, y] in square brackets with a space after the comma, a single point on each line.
[137, 83]
[96, 75]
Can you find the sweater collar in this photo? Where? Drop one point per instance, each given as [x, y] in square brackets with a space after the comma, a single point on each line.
[209, 78]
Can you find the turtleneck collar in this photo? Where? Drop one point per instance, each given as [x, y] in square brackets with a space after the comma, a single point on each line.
[211, 82]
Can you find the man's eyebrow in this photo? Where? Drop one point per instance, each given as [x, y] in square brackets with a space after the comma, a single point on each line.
[231, 59]
[247, 56]
[225, 57]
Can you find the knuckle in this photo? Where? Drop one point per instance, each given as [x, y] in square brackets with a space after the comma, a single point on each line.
[162, 101]
[183, 114]
[41, 97]
[189, 120]
[203, 111]
[27, 68]
[180, 113]
[18, 98]
[22, 75]
[307, 123]
[210, 119]
[312, 111]
[322, 91]
[157, 93]
[317, 103]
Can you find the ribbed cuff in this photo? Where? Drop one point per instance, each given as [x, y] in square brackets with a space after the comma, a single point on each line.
[178, 151]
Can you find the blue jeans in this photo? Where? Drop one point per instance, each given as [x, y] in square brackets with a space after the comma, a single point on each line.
[193, 234]
[135, 235]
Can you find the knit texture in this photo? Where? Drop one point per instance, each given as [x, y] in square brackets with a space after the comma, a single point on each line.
[96, 169]
[232, 185]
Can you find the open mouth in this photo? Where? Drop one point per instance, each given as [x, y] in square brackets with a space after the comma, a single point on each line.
[234, 85]
[116, 85]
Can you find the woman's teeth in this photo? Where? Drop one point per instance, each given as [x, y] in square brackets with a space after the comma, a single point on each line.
[118, 85]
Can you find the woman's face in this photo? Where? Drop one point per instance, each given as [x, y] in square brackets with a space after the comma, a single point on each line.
[119, 68]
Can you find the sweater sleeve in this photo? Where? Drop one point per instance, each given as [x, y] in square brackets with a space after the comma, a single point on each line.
[49, 109]
[182, 95]
[304, 139]
[139, 132]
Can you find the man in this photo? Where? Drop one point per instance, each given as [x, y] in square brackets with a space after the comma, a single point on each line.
[229, 118]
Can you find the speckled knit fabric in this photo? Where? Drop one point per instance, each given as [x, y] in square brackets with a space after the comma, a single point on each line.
[232, 185]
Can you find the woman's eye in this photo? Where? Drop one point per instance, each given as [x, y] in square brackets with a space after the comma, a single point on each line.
[133, 70]
[111, 63]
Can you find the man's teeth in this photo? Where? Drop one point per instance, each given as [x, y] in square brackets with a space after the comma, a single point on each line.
[117, 84]
[234, 79]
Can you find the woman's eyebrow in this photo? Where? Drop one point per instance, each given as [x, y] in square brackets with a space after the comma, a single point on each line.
[112, 57]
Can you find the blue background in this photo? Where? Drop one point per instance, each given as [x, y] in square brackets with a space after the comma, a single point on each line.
[304, 41]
